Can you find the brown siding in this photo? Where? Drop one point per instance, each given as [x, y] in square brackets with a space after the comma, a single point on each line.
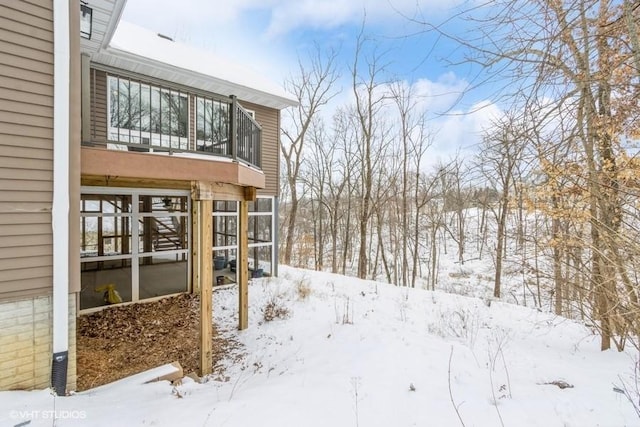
[26, 144]
[98, 105]
[269, 120]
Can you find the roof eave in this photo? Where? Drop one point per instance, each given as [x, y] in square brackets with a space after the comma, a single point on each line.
[106, 17]
[128, 61]
[113, 23]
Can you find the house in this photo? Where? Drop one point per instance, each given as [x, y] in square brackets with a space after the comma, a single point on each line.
[132, 167]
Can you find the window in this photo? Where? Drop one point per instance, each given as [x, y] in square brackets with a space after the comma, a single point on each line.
[147, 115]
[260, 229]
[260, 235]
[212, 126]
[135, 243]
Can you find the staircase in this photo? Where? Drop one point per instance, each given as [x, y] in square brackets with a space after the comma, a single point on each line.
[167, 235]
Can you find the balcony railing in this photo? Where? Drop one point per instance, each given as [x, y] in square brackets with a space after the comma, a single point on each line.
[246, 136]
[223, 128]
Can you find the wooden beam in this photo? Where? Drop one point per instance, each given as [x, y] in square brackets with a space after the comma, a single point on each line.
[250, 194]
[204, 277]
[114, 181]
[201, 190]
[242, 270]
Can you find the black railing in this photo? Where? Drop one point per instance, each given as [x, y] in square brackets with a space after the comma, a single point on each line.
[223, 127]
[248, 136]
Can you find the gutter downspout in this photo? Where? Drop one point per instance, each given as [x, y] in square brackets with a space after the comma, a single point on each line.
[60, 208]
[275, 252]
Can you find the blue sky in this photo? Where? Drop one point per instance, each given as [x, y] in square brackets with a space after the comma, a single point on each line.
[270, 36]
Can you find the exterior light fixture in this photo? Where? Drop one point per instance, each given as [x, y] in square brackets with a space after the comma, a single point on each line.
[86, 21]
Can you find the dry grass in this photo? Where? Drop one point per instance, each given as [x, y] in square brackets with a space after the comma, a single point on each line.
[303, 289]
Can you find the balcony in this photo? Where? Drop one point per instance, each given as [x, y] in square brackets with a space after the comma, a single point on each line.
[157, 121]
[137, 132]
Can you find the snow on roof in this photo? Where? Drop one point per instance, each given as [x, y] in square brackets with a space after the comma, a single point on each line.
[132, 40]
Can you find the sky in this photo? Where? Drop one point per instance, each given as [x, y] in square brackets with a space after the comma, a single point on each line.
[273, 36]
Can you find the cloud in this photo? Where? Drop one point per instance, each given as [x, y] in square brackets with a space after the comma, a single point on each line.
[284, 16]
[170, 13]
[458, 132]
[461, 131]
[221, 27]
[441, 95]
[288, 15]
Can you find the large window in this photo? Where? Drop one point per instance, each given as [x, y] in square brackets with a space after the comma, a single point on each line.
[147, 115]
[133, 243]
[212, 126]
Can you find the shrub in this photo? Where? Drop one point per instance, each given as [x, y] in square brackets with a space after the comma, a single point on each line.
[302, 288]
[275, 309]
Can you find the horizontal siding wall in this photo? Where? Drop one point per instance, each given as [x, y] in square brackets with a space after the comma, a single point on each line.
[269, 120]
[26, 144]
[98, 105]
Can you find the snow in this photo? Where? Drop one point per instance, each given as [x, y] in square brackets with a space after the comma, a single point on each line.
[348, 355]
[139, 41]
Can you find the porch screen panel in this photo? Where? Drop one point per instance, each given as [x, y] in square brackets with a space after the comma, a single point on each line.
[134, 245]
[105, 249]
[260, 230]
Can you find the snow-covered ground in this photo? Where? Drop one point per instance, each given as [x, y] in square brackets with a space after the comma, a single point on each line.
[359, 353]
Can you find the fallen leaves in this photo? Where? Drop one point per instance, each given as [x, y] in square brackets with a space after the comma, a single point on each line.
[123, 340]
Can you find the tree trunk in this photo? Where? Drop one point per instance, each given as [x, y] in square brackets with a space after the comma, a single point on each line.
[502, 226]
[291, 226]
[557, 257]
[434, 254]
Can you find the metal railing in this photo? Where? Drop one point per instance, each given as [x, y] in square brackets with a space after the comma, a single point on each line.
[239, 141]
[246, 138]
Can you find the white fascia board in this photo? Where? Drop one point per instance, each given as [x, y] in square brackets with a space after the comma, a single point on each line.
[116, 14]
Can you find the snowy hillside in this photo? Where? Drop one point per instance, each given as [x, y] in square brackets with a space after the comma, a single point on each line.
[357, 353]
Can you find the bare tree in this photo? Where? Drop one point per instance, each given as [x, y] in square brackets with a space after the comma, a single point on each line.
[576, 55]
[455, 201]
[369, 100]
[313, 88]
[498, 162]
[413, 138]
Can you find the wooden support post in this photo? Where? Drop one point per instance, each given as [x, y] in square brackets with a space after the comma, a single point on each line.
[250, 194]
[204, 279]
[195, 245]
[242, 270]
